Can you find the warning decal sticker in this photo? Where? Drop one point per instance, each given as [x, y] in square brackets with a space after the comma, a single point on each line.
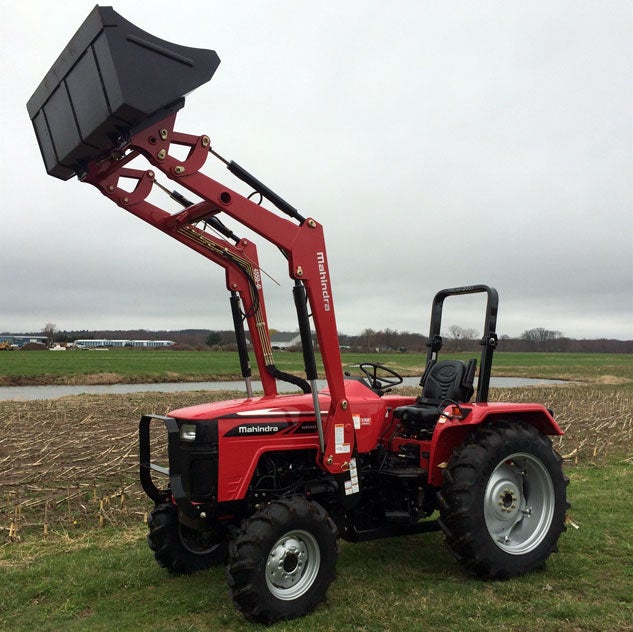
[340, 447]
[351, 486]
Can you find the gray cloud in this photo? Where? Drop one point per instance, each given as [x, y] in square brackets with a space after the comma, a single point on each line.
[439, 145]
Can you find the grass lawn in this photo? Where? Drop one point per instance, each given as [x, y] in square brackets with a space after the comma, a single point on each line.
[107, 579]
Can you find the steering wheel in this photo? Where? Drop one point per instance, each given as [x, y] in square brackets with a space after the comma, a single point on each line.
[370, 369]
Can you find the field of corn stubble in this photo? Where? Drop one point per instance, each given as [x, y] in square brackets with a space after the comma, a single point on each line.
[72, 462]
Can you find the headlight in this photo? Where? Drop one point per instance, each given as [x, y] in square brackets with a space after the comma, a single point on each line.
[187, 432]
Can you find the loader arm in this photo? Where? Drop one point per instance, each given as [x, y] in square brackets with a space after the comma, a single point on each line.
[240, 260]
[303, 244]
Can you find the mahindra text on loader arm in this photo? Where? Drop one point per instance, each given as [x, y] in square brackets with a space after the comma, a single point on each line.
[268, 484]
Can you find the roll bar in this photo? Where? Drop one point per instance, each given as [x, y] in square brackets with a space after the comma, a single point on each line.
[488, 340]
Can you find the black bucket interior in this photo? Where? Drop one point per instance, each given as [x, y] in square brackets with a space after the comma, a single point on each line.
[111, 78]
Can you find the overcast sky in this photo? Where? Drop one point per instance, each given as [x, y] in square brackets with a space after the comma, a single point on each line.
[440, 144]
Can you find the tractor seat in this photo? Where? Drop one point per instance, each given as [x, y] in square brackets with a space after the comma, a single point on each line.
[447, 380]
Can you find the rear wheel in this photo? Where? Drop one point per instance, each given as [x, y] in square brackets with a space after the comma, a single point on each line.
[181, 549]
[503, 500]
[283, 561]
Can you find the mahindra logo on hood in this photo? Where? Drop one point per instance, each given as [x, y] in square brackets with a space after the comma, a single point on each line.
[267, 428]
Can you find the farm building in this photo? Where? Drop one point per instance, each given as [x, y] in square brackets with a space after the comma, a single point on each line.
[284, 340]
[20, 341]
[92, 343]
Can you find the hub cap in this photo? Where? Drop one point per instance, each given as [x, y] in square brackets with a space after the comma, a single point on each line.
[292, 565]
[519, 503]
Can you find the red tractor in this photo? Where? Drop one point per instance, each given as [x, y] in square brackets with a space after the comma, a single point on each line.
[268, 484]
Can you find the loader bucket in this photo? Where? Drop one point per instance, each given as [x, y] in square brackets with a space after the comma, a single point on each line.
[111, 80]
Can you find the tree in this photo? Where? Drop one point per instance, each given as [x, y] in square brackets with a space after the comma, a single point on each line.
[50, 329]
[369, 338]
[459, 333]
[459, 338]
[213, 338]
[538, 339]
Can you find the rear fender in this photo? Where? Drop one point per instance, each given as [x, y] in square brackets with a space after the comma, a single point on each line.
[451, 433]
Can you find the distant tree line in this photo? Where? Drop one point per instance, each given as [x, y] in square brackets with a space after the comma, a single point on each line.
[455, 339]
[459, 339]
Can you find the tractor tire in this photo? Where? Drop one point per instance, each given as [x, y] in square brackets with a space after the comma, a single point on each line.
[283, 560]
[503, 500]
[180, 549]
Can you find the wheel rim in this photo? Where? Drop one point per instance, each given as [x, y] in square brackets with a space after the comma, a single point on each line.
[292, 565]
[519, 503]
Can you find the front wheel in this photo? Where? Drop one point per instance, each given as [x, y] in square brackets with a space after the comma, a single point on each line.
[181, 549]
[283, 561]
[503, 500]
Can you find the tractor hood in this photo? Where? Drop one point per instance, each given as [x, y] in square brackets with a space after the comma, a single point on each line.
[276, 406]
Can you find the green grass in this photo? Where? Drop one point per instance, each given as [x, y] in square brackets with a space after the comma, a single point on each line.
[107, 579]
[129, 365]
[126, 365]
[598, 367]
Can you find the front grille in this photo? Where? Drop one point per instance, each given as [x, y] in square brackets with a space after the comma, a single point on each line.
[199, 467]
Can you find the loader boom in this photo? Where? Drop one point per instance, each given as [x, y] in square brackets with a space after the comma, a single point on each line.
[302, 243]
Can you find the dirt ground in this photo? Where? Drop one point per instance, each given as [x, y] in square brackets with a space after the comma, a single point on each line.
[74, 460]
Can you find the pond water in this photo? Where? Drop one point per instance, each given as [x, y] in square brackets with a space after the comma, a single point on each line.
[25, 393]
